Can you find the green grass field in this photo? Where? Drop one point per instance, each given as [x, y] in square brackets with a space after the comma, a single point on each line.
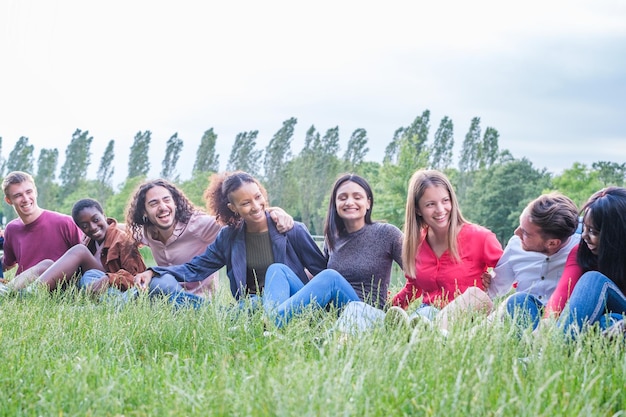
[66, 355]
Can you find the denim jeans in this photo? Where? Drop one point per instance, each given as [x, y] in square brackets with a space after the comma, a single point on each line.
[595, 299]
[166, 285]
[285, 295]
[525, 309]
[112, 294]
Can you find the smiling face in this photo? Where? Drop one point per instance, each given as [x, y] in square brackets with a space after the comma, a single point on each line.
[248, 201]
[23, 198]
[434, 207]
[93, 223]
[352, 204]
[590, 234]
[160, 208]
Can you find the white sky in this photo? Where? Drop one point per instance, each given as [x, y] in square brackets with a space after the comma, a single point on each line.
[550, 76]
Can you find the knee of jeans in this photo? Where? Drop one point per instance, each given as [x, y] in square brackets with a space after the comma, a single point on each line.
[90, 276]
[165, 284]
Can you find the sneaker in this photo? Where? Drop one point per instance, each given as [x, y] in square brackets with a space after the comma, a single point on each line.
[396, 318]
[616, 330]
[419, 320]
[4, 289]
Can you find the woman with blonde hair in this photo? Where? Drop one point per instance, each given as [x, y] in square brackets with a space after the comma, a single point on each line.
[444, 256]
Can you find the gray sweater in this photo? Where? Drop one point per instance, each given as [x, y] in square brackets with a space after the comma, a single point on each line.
[365, 257]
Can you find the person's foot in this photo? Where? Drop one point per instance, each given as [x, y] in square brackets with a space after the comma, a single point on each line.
[396, 318]
[4, 289]
[616, 330]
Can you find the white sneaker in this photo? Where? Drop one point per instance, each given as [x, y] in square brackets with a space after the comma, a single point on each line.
[4, 289]
[396, 318]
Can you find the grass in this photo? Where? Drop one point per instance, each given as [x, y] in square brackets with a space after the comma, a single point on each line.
[64, 354]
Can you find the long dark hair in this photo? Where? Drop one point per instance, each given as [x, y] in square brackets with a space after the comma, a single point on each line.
[334, 226]
[605, 211]
[136, 217]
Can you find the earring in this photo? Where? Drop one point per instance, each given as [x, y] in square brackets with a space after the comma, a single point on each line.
[144, 219]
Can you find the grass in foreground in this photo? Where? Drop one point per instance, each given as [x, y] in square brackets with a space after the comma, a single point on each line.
[64, 354]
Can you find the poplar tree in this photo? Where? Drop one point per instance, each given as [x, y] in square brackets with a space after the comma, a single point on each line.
[489, 149]
[469, 161]
[206, 158]
[77, 160]
[471, 148]
[105, 173]
[275, 163]
[21, 156]
[3, 161]
[172, 154]
[138, 162]
[243, 156]
[107, 168]
[20, 159]
[441, 154]
[356, 149]
[47, 189]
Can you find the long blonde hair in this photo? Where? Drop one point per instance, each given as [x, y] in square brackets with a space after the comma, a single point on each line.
[414, 225]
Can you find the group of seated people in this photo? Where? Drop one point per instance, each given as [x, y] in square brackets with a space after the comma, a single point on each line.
[547, 271]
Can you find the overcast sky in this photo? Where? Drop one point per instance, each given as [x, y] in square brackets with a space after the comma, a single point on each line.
[550, 76]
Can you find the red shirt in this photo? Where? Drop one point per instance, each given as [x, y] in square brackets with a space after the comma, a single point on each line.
[439, 280]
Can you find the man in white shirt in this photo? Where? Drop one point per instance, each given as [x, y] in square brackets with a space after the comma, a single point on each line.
[534, 259]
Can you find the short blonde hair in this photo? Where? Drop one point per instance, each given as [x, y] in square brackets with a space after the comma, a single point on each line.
[15, 177]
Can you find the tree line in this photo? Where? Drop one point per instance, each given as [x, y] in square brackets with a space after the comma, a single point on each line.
[492, 185]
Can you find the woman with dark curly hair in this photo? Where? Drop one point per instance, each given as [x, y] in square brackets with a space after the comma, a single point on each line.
[248, 244]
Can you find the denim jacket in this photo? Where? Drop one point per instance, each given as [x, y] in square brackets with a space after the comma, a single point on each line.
[295, 248]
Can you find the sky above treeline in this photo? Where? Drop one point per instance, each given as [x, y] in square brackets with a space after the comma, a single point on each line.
[549, 76]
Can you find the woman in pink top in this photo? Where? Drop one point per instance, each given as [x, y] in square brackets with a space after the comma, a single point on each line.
[443, 254]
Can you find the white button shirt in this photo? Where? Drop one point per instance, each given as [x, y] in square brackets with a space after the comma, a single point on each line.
[534, 272]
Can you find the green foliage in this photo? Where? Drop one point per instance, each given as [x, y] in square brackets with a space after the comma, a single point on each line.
[195, 186]
[610, 173]
[115, 206]
[277, 155]
[3, 162]
[469, 160]
[48, 191]
[313, 172]
[107, 167]
[498, 196]
[77, 160]
[578, 183]
[21, 157]
[84, 189]
[243, 155]
[441, 152]
[489, 151]
[138, 162]
[172, 154]
[206, 158]
[356, 150]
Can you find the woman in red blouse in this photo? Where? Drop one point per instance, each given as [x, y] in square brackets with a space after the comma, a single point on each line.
[443, 254]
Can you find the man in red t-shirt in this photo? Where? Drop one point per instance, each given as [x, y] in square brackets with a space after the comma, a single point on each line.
[36, 235]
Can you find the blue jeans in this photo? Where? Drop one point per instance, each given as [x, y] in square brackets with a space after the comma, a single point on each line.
[112, 294]
[166, 285]
[526, 309]
[285, 295]
[595, 299]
